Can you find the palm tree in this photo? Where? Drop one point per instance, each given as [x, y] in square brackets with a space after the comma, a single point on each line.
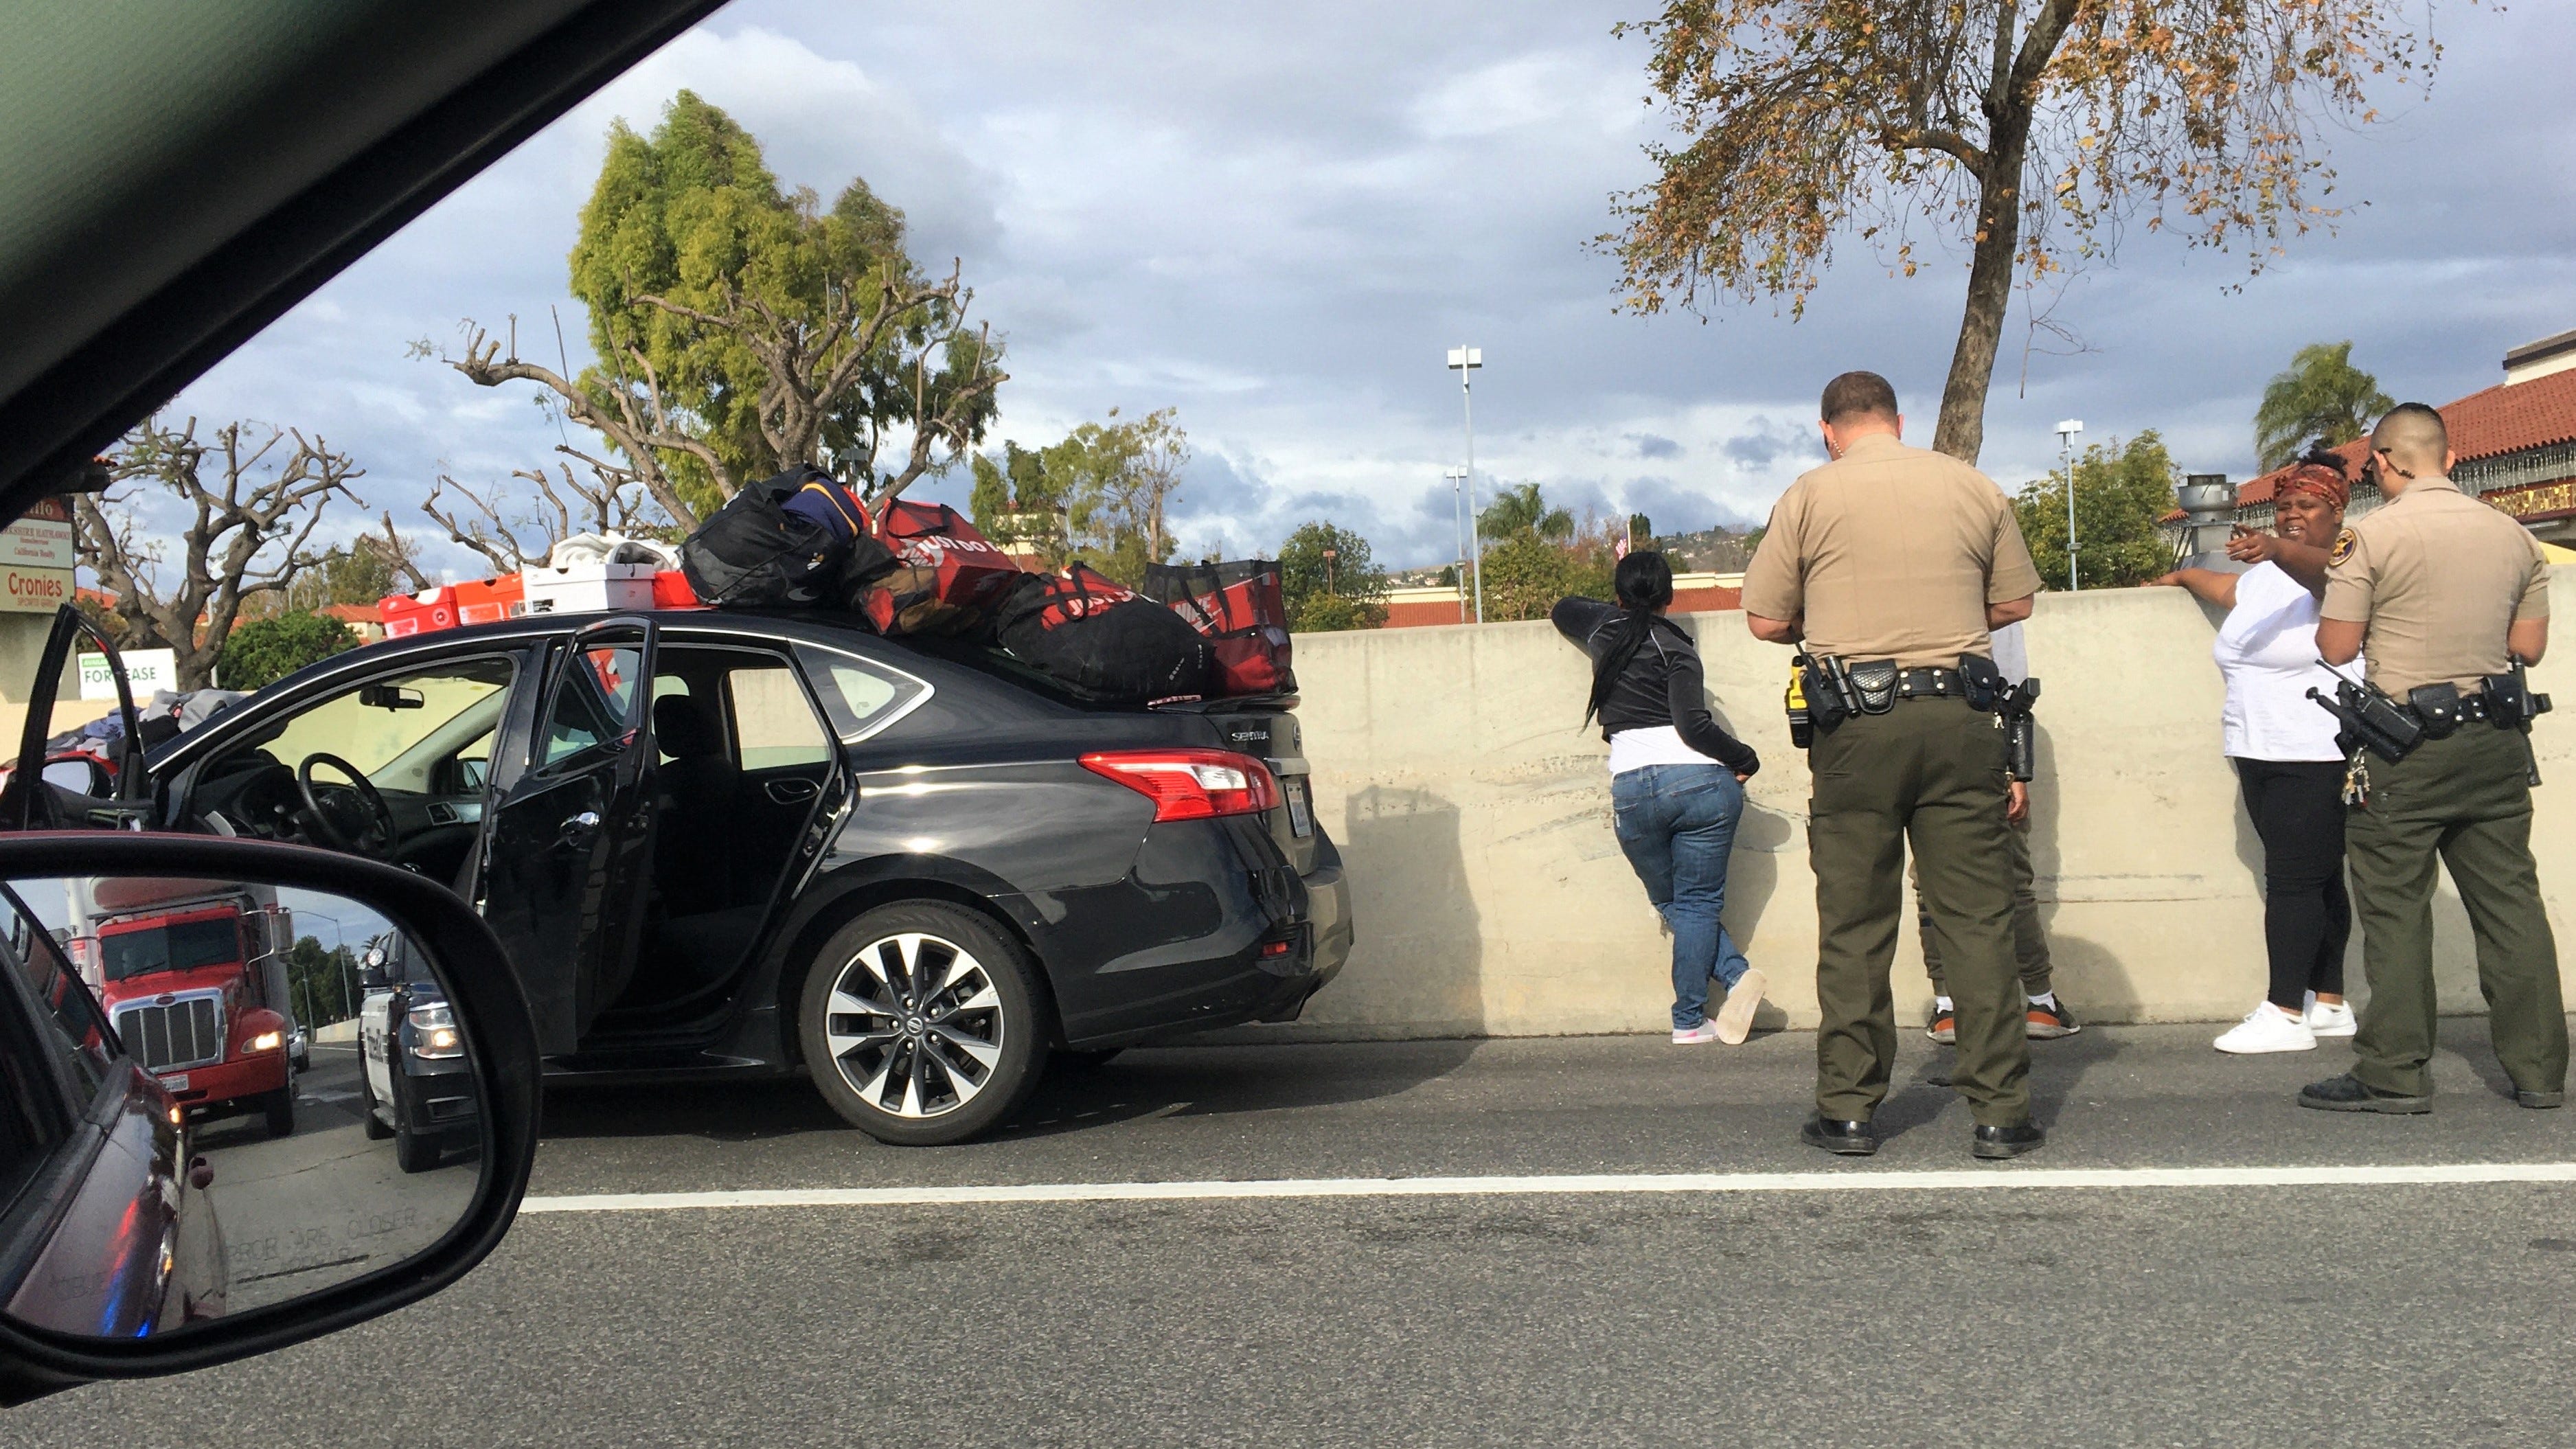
[2322, 395]
[1520, 510]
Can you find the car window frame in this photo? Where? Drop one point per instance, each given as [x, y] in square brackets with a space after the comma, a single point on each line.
[814, 661]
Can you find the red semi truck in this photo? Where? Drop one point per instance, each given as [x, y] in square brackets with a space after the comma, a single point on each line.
[192, 977]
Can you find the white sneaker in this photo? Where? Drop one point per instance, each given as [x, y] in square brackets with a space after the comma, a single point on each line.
[1706, 1031]
[2335, 1020]
[1735, 1019]
[2265, 1029]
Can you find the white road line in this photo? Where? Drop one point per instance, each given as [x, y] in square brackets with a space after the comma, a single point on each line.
[1859, 1180]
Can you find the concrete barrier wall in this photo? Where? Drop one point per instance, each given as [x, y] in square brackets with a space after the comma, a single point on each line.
[1493, 900]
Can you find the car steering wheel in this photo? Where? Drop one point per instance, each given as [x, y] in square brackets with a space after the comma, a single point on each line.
[377, 840]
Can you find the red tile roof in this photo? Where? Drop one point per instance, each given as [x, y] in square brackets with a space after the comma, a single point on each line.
[2505, 418]
[353, 613]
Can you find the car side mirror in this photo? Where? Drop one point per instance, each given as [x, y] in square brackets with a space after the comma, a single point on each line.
[187, 1199]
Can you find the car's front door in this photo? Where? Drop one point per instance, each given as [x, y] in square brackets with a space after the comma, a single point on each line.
[568, 849]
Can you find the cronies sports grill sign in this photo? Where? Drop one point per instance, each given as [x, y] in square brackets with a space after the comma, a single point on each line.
[33, 591]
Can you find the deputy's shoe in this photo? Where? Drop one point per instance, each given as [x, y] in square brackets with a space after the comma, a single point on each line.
[1847, 1139]
[2012, 1140]
[2334, 1020]
[2349, 1093]
[2539, 1099]
[2266, 1029]
[1735, 1018]
[2048, 1023]
[1705, 1032]
[1945, 1026]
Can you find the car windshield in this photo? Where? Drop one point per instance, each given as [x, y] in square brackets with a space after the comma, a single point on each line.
[179, 946]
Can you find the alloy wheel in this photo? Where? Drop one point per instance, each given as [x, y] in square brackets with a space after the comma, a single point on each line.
[915, 1025]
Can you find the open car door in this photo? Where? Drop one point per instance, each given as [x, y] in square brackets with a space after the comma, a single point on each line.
[568, 851]
[33, 798]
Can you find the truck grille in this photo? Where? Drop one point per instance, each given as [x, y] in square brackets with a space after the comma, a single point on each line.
[187, 1033]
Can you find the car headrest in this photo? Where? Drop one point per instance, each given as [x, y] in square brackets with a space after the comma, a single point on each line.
[682, 729]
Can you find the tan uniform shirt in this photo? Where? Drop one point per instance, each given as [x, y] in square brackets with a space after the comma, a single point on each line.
[1891, 552]
[2437, 577]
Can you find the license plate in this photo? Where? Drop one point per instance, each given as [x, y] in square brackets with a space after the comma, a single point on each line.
[175, 1081]
[1301, 817]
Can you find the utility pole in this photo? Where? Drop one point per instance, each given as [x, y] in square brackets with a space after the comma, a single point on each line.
[1465, 360]
[2066, 432]
[1458, 503]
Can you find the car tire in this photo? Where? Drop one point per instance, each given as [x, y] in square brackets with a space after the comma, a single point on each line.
[414, 1151]
[907, 1072]
[375, 1126]
[280, 1109]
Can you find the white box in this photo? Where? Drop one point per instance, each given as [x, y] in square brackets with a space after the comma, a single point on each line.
[588, 588]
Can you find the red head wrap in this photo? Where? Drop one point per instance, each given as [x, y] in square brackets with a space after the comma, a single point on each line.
[2326, 482]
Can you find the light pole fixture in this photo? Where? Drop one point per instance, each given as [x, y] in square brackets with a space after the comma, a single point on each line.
[1458, 504]
[1465, 361]
[2066, 431]
[1329, 556]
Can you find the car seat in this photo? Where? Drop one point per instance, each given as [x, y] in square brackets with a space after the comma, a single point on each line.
[694, 854]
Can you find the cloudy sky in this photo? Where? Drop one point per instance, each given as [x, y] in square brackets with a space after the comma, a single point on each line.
[1276, 218]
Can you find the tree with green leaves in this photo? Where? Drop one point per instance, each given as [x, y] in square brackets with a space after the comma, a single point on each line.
[2025, 133]
[2120, 499]
[1344, 591]
[741, 328]
[265, 651]
[1099, 496]
[1521, 510]
[2322, 396]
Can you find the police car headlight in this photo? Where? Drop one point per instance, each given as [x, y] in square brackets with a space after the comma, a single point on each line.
[268, 1041]
[434, 1035]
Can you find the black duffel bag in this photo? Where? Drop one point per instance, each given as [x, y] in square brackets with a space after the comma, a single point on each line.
[757, 554]
[1102, 641]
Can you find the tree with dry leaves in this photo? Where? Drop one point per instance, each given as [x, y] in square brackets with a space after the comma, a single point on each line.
[512, 537]
[2030, 131]
[251, 496]
[741, 328]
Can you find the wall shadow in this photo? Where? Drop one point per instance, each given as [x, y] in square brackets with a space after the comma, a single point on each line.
[2091, 972]
[1421, 956]
[1753, 877]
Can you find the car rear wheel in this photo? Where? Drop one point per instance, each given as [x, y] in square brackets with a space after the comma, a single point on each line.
[921, 1024]
[413, 1151]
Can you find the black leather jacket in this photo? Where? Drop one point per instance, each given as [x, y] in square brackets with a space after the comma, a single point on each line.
[1662, 684]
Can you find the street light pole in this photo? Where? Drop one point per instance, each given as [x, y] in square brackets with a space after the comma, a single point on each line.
[1458, 504]
[2066, 432]
[1466, 360]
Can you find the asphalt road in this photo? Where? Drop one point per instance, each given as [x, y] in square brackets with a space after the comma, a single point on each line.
[2040, 1314]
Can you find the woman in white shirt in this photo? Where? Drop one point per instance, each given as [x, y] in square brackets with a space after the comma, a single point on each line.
[2285, 752]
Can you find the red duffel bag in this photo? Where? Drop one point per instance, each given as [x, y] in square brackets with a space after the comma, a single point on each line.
[947, 579]
[1239, 608]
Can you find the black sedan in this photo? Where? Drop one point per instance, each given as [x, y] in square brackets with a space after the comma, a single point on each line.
[727, 844]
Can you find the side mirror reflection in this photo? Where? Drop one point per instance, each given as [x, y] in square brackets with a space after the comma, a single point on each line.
[173, 1165]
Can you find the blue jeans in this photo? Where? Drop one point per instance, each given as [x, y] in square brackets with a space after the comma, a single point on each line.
[1677, 825]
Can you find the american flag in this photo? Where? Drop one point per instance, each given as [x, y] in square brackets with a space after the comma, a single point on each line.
[1620, 549]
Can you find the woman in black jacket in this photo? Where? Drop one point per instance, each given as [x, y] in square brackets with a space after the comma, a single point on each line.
[1676, 786]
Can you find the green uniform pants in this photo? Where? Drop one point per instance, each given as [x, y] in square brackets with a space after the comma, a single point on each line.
[2030, 939]
[1929, 772]
[2467, 800]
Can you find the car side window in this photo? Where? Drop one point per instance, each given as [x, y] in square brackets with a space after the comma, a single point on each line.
[773, 725]
[861, 696]
[593, 699]
[78, 1030]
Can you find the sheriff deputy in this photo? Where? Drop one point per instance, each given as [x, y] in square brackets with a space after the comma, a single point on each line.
[2450, 597]
[1889, 565]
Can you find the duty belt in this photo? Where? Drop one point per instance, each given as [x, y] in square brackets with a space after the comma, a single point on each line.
[1929, 683]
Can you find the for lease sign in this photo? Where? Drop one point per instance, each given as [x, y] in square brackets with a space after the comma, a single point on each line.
[145, 669]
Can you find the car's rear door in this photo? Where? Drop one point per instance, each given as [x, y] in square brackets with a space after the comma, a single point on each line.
[568, 850]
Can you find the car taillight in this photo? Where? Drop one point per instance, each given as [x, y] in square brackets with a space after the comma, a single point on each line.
[1191, 784]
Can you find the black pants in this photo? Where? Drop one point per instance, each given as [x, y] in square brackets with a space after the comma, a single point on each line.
[2297, 807]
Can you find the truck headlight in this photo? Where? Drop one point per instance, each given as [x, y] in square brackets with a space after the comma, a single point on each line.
[268, 1041]
[434, 1033]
